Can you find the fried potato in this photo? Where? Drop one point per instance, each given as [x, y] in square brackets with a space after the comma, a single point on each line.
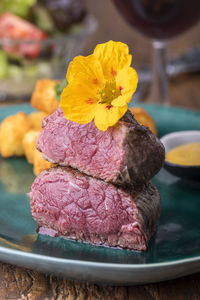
[36, 118]
[12, 131]
[29, 144]
[143, 118]
[44, 96]
[39, 163]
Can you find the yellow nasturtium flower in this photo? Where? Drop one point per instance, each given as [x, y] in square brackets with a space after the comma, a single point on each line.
[99, 86]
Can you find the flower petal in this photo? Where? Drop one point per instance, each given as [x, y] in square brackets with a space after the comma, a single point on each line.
[86, 70]
[126, 81]
[113, 56]
[120, 101]
[78, 103]
[107, 115]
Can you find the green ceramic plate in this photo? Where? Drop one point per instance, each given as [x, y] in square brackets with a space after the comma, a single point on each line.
[174, 251]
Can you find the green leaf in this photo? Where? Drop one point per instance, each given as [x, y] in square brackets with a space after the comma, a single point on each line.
[59, 88]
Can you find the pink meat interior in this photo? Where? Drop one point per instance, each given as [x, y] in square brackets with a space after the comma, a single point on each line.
[83, 208]
[84, 147]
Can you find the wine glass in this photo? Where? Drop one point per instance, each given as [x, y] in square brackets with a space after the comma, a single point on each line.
[160, 20]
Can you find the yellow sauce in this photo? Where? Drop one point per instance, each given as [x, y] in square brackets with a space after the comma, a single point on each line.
[187, 154]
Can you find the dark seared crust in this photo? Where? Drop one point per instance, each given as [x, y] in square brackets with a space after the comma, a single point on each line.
[148, 203]
[145, 153]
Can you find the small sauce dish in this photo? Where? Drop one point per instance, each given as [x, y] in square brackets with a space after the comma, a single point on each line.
[175, 139]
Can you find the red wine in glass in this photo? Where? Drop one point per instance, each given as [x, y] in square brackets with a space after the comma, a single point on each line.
[160, 20]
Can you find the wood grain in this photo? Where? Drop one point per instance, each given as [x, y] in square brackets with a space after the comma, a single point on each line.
[20, 283]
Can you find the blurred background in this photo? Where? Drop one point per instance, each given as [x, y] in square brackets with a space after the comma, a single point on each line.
[71, 27]
[113, 26]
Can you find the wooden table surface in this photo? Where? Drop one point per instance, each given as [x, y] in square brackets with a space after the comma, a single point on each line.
[21, 283]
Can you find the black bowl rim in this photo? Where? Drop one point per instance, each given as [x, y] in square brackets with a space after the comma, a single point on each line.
[181, 166]
[191, 173]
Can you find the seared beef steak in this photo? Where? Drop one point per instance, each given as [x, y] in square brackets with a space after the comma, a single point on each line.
[126, 154]
[67, 203]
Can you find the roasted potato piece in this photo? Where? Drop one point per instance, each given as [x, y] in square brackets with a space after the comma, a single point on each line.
[44, 96]
[12, 131]
[143, 118]
[36, 118]
[39, 163]
[29, 144]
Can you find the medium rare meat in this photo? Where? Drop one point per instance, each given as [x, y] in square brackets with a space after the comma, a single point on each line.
[66, 203]
[125, 154]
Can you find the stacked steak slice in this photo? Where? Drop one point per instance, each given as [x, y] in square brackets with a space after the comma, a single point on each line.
[100, 193]
[126, 154]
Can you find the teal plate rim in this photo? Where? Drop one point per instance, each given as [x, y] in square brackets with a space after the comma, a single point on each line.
[103, 273]
[91, 263]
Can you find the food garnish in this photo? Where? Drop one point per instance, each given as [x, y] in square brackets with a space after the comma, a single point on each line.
[59, 88]
[100, 86]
